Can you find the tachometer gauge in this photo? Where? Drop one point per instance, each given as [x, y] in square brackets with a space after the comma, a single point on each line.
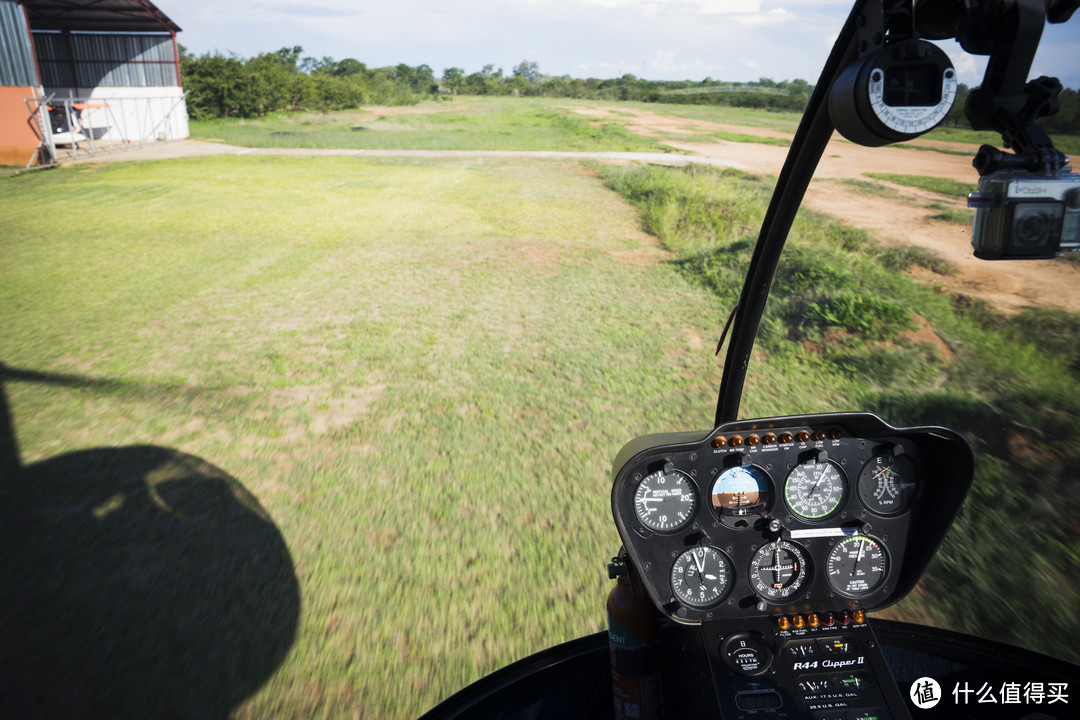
[778, 571]
[815, 490]
[665, 500]
[741, 490]
[887, 484]
[701, 576]
[857, 565]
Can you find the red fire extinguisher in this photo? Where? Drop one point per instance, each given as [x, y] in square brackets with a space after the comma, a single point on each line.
[634, 643]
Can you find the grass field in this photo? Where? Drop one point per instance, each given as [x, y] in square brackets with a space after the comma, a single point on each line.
[466, 123]
[507, 123]
[420, 372]
[408, 379]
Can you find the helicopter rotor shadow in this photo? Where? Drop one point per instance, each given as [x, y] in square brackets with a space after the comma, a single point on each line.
[136, 581]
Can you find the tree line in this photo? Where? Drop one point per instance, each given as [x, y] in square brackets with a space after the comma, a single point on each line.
[224, 86]
[231, 86]
[1065, 121]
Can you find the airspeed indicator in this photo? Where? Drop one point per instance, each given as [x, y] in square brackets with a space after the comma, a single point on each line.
[815, 490]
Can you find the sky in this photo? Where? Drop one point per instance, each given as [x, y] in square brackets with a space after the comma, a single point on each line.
[734, 40]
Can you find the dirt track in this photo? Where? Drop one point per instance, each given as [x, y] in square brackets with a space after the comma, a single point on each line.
[1007, 286]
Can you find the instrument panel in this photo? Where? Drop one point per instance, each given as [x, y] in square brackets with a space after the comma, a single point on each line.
[815, 513]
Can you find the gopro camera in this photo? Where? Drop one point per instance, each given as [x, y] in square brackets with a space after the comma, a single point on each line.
[1022, 215]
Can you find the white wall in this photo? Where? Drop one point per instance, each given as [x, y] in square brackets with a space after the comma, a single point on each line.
[130, 114]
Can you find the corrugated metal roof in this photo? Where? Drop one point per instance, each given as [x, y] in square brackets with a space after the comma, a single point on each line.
[109, 60]
[98, 15]
[16, 59]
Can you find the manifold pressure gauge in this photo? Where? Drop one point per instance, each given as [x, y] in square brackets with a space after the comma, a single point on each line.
[895, 94]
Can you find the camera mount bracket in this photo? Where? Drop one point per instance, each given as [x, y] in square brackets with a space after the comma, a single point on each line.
[1009, 32]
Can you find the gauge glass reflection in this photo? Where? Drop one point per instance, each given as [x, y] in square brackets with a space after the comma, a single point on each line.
[741, 490]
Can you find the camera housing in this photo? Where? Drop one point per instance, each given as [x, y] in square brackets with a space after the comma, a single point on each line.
[1023, 215]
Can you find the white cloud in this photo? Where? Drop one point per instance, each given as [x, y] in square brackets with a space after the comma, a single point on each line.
[666, 62]
[598, 38]
[644, 7]
[772, 17]
[604, 69]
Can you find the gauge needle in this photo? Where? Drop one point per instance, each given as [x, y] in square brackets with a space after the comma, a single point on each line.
[818, 481]
[698, 562]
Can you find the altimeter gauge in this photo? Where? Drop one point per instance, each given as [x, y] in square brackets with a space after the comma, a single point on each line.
[701, 576]
[665, 500]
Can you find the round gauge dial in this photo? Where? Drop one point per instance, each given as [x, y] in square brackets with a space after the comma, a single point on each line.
[778, 571]
[665, 500]
[741, 491]
[857, 565]
[701, 576]
[887, 484]
[815, 490]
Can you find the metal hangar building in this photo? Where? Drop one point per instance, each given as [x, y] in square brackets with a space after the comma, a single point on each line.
[86, 76]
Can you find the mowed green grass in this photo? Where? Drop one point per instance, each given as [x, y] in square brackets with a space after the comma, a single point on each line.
[420, 371]
[508, 123]
[466, 123]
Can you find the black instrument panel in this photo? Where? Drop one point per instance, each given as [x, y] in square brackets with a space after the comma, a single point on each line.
[815, 513]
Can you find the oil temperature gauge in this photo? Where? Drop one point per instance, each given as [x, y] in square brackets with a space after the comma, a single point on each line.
[665, 500]
[778, 571]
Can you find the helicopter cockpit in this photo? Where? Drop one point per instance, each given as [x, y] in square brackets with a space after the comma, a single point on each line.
[761, 546]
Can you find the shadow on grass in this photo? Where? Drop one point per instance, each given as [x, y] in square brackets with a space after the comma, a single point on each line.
[136, 582]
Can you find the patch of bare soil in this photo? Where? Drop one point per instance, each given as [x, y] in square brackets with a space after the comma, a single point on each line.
[375, 112]
[1007, 286]
[650, 123]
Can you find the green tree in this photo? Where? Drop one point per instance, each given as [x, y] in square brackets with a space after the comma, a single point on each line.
[528, 69]
[347, 67]
[214, 85]
[452, 78]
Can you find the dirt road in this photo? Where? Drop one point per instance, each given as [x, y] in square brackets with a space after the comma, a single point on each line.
[1007, 286]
